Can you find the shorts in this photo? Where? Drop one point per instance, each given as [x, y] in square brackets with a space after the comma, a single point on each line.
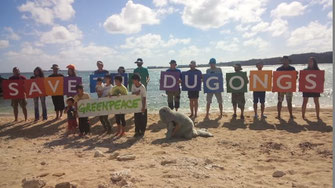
[193, 94]
[281, 96]
[307, 94]
[238, 99]
[218, 96]
[259, 96]
[58, 102]
[72, 124]
[16, 102]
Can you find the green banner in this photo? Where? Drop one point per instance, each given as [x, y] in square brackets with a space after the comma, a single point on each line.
[237, 82]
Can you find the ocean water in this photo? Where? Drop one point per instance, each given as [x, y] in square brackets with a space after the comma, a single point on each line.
[156, 98]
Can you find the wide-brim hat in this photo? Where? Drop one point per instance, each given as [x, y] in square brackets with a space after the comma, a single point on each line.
[54, 66]
[238, 66]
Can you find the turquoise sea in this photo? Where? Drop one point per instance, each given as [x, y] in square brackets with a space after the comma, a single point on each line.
[157, 98]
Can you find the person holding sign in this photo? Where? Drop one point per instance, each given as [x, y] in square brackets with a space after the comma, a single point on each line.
[105, 93]
[213, 70]
[193, 95]
[285, 67]
[119, 89]
[312, 65]
[58, 101]
[16, 102]
[84, 126]
[38, 73]
[259, 95]
[143, 72]
[141, 117]
[71, 70]
[238, 98]
[100, 70]
[174, 96]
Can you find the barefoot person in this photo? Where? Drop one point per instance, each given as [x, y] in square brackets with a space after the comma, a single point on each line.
[213, 70]
[105, 93]
[312, 65]
[84, 126]
[238, 99]
[193, 95]
[173, 97]
[100, 70]
[71, 112]
[38, 73]
[117, 90]
[58, 100]
[285, 67]
[259, 95]
[143, 72]
[141, 117]
[16, 102]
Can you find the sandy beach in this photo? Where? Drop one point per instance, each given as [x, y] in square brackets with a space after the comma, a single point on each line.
[249, 153]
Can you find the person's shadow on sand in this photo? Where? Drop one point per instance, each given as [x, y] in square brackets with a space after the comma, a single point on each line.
[156, 127]
[235, 124]
[289, 126]
[208, 123]
[318, 126]
[168, 141]
[260, 124]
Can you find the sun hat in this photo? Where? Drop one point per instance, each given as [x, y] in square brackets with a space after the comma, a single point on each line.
[71, 66]
[54, 66]
[238, 66]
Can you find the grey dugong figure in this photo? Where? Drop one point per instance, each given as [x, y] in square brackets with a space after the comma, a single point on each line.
[185, 125]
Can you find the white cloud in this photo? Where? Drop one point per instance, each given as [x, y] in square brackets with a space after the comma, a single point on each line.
[230, 46]
[207, 14]
[45, 11]
[325, 3]
[61, 34]
[278, 27]
[11, 35]
[285, 10]
[4, 43]
[256, 42]
[131, 19]
[330, 15]
[160, 3]
[260, 27]
[314, 36]
[150, 41]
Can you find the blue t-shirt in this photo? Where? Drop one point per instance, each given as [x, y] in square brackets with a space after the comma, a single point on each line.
[282, 68]
[175, 70]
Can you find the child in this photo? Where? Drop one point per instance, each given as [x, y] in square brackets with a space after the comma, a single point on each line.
[141, 117]
[105, 93]
[99, 87]
[238, 99]
[119, 89]
[71, 116]
[84, 126]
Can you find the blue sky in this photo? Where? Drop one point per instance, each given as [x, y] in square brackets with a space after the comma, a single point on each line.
[43, 32]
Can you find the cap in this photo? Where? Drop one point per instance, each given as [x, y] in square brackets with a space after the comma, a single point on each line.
[173, 62]
[193, 63]
[54, 66]
[71, 66]
[139, 60]
[238, 66]
[212, 61]
[100, 63]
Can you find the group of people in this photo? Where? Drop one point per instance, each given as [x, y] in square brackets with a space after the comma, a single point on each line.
[238, 99]
[140, 79]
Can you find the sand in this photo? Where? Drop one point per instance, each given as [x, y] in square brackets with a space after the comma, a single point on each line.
[245, 153]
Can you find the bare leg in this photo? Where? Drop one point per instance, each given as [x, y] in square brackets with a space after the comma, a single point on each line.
[16, 112]
[255, 109]
[262, 109]
[61, 113]
[207, 109]
[279, 105]
[234, 107]
[195, 107]
[191, 107]
[289, 106]
[317, 107]
[24, 110]
[221, 109]
[242, 113]
[303, 108]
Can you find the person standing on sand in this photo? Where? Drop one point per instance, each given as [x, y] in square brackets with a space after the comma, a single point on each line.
[141, 117]
[193, 95]
[285, 67]
[58, 100]
[71, 70]
[213, 70]
[238, 99]
[84, 126]
[259, 95]
[174, 96]
[100, 70]
[312, 65]
[38, 73]
[143, 72]
[16, 102]
[105, 93]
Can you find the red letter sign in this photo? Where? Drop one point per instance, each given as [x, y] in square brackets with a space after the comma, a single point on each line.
[13, 89]
[311, 81]
[35, 87]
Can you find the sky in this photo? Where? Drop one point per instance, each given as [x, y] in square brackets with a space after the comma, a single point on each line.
[43, 32]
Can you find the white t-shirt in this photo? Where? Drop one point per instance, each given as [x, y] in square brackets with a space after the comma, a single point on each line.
[105, 91]
[143, 91]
